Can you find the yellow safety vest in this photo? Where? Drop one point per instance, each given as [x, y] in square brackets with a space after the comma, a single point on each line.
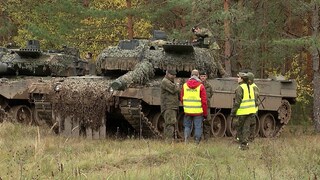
[192, 100]
[247, 105]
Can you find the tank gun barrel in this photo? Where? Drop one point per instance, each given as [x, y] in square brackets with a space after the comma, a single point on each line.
[140, 75]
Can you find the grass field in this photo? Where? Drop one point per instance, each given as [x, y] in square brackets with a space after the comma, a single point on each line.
[33, 153]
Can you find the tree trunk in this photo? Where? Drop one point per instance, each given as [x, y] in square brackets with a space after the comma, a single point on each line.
[130, 21]
[227, 45]
[240, 48]
[316, 74]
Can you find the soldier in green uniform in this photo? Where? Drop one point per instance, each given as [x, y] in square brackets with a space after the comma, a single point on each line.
[256, 95]
[209, 91]
[169, 102]
[203, 36]
[205, 40]
[244, 108]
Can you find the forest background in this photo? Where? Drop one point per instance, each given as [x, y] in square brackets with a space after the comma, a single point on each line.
[270, 37]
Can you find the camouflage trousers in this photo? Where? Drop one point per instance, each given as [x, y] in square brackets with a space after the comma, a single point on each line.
[245, 128]
[170, 119]
[207, 126]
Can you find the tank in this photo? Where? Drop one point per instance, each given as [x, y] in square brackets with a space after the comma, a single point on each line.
[138, 67]
[24, 73]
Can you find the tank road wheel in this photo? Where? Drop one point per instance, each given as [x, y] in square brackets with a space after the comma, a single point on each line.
[267, 125]
[231, 127]
[218, 125]
[158, 122]
[21, 114]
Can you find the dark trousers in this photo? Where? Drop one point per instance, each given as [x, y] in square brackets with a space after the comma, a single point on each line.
[245, 127]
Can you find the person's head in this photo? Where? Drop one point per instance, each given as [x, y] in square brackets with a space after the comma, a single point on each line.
[251, 77]
[195, 73]
[89, 55]
[171, 74]
[243, 77]
[195, 29]
[203, 76]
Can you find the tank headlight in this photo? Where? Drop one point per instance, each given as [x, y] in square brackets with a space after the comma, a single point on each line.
[111, 90]
[58, 87]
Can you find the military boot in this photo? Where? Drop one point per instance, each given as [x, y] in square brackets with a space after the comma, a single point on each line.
[244, 146]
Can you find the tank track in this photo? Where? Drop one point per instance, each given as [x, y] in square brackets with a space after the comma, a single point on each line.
[284, 115]
[147, 122]
[279, 130]
[134, 115]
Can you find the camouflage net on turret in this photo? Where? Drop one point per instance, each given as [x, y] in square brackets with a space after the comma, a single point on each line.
[201, 59]
[48, 64]
[84, 100]
[113, 58]
[141, 74]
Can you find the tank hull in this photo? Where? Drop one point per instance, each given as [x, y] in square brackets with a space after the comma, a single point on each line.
[275, 99]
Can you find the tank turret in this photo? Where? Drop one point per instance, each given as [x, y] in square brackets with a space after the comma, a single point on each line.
[31, 61]
[149, 58]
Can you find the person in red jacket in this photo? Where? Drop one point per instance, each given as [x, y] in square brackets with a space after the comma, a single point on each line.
[194, 101]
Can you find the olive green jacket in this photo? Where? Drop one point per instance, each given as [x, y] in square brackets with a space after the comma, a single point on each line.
[209, 91]
[204, 32]
[169, 95]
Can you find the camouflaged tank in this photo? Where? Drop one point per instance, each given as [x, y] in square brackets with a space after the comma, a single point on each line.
[138, 67]
[24, 76]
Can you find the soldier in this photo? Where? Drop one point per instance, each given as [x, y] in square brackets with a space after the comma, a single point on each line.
[256, 95]
[169, 102]
[90, 69]
[194, 101]
[206, 40]
[209, 92]
[88, 56]
[244, 108]
[202, 35]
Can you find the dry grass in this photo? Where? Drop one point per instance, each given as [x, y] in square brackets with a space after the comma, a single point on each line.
[30, 153]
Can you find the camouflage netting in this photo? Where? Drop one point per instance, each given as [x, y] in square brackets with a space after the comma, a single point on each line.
[201, 59]
[82, 99]
[113, 58]
[48, 64]
[141, 74]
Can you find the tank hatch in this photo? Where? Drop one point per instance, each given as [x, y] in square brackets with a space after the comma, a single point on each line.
[178, 48]
[31, 51]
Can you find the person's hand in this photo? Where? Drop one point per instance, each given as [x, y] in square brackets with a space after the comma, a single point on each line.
[204, 118]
